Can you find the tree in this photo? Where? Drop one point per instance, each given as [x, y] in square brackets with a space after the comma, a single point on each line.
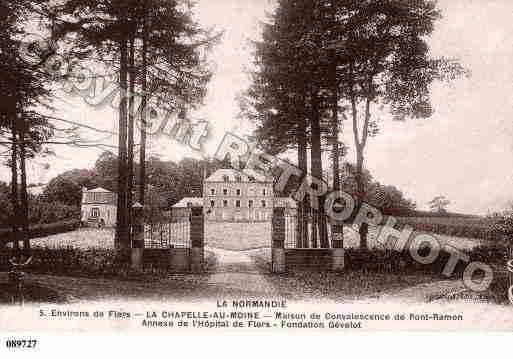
[169, 181]
[25, 91]
[5, 203]
[67, 187]
[388, 199]
[384, 60]
[172, 48]
[289, 97]
[439, 204]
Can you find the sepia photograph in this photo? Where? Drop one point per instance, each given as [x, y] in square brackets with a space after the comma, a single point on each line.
[268, 166]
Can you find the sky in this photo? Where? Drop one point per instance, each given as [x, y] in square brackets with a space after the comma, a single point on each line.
[464, 151]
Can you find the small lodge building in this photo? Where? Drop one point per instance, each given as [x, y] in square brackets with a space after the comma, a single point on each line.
[99, 207]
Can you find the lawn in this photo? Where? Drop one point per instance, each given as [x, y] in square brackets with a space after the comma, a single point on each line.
[224, 235]
[230, 236]
[83, 238]
[237, 236]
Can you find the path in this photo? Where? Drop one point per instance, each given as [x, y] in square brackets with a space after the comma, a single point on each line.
[236, 272]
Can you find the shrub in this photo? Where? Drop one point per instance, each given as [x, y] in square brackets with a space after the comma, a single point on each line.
[40, 212]
[94, 263]
[45, 213]
[389, 261]
[43, 230]
[499, 288]
[70, 262]
[489, 254]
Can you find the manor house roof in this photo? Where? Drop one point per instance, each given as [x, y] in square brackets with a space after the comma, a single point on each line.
[237, 176]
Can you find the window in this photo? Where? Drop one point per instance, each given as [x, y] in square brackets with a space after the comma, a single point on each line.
[237, 203]
[225, 192]
[212, 203]
[250, 203]
[212, 192]
[238, 191]
[225, 203]
[189, 204]
[251, 179]
[263, 192]
[95, 212]
[264, 204]
[226, 178]
[238, 178]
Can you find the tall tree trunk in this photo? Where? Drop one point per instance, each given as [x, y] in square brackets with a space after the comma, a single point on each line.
[122, 243]
[14, 188]
[360, 188]
[335, 154]
[319, 224]
[144, 88]
[302, 211]
[316, 161]
[24, 193]
[360, 146]
[130, 154]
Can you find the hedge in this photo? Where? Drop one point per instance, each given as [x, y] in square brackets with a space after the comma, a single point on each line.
[42, 230]
[471, 227]
[390, 261]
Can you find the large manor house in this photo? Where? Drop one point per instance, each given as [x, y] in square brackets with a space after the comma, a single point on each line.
[228, 195]
[233, 196]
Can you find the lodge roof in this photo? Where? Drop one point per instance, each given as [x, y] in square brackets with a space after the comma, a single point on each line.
[195, 202]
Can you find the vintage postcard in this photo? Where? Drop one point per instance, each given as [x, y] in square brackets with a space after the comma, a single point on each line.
[270, 166]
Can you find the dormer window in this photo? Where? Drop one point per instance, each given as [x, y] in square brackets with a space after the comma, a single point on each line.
[251, 179]
[212, 191]
[189, 204]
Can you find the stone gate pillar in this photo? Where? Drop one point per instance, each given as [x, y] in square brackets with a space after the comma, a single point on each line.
[278, 241]
[510, 270]
[337, 240]
[197, 233]
[136, 258]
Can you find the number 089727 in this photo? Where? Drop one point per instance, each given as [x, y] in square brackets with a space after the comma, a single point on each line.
[21, 343]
